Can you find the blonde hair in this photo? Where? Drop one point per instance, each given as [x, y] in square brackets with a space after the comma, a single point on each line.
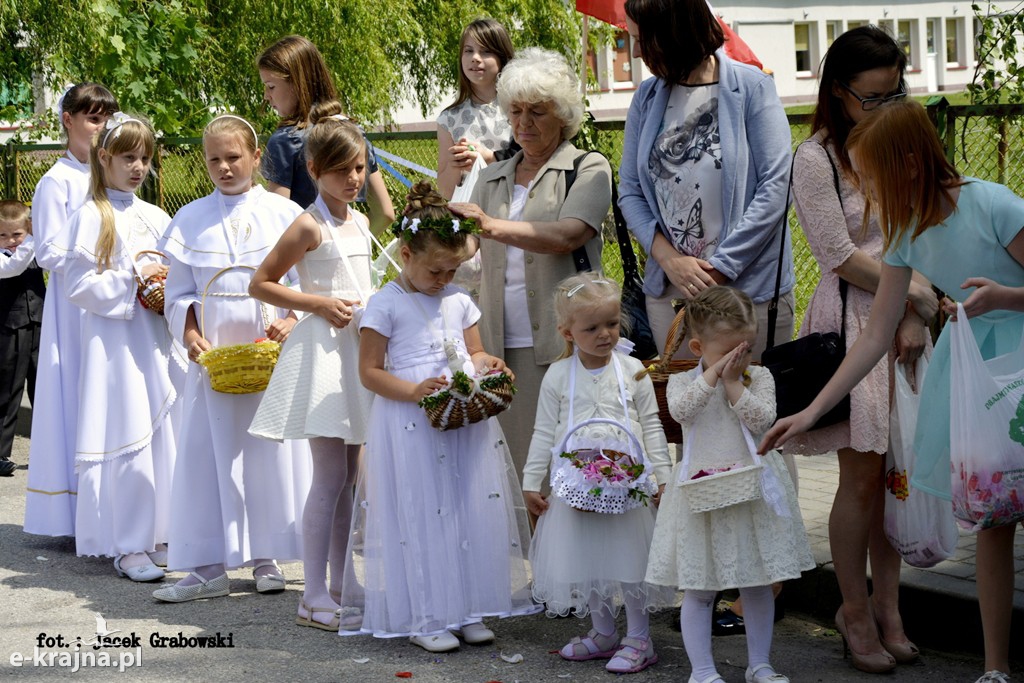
[890, 145]
[129, 136]
[424, 201]
[715, 309]
[297, 60]
[583, 291]
[333, 142]
[13, 211]
[229, 124]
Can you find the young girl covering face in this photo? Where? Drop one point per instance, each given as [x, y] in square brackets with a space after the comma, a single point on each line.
[315, 392]
[439, 530]
[237, 500]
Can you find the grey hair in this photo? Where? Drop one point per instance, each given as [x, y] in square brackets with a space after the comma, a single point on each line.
[538, 75]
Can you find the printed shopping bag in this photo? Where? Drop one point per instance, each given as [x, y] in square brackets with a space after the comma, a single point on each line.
[919, 526]
[469, 274]
[986, 432]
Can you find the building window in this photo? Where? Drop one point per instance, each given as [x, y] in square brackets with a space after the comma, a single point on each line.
[856, 23]
[833, 30]
[803, 35]
[905, 36]
[954, 39]
[622, 59]
[888, 25]
[931, 28]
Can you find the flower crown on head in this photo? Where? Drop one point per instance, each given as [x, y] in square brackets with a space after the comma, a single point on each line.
[114, 123]
[445, 228]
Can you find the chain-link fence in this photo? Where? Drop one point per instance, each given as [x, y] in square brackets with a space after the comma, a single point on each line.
[982, 141]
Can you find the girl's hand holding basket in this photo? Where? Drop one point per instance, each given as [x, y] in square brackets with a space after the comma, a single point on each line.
[280, 329]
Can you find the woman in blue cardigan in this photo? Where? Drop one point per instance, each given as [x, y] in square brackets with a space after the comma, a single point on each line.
[705, 167]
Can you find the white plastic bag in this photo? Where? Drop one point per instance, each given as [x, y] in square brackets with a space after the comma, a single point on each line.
[919, 526]
[986, 432]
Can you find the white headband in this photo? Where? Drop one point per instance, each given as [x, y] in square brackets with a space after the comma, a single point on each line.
[249, 125]
[114, 123]
[580, 286]
[60, 102]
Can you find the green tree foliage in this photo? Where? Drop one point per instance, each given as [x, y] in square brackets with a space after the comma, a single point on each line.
[173, 60]
[999, 74]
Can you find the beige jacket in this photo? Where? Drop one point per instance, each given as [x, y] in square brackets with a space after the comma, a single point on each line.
[589, 199]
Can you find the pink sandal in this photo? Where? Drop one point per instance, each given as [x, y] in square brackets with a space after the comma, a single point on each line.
[635, 655]
[593, 646]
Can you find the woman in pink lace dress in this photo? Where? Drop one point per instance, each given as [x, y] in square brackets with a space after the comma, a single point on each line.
[863, 69]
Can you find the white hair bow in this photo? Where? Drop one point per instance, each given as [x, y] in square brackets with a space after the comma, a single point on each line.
[114, 123]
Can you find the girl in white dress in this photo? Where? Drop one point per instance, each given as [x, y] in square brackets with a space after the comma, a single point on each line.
[52, 480]
[572, 566]
[437, 539]
[723, 406]
[124, 442]
[315, 392]
[237, 500]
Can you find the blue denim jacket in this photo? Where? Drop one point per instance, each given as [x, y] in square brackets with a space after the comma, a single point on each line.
[756, 152]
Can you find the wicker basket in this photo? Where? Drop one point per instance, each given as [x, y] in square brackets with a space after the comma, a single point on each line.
[239, 368]
[569, 483]
[151, 290]
[487, 396]
[716, 491]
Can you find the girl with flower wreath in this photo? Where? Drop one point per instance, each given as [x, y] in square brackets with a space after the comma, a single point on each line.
[439, 524]
[572, 566]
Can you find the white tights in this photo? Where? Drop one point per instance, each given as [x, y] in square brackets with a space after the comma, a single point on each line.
[327, 517]
[758, 620]
[603, 619]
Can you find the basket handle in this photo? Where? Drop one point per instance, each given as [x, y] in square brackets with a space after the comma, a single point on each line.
[150, 251]
[206, 290]
[608, 421]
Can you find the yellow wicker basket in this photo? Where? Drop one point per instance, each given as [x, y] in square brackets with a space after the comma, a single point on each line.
[151, 290]
[239, 368]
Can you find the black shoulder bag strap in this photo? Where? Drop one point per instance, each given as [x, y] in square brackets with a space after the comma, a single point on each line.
[579, 255]
[773, 307]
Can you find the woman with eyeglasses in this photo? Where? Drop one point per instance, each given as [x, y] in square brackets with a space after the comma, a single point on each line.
[862, 70]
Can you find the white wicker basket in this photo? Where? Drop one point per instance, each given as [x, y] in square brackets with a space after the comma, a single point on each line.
[716, 491]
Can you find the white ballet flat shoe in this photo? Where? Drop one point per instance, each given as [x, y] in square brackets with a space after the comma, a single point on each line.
[159, 557]
[269, 583]
[764, 673]
[438, 642]
[475, 633]
[142, 574]
[214, 588]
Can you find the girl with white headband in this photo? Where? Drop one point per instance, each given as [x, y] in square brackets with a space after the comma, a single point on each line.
[50, 496]
[315, 392]
[124, 441]
[237, 500]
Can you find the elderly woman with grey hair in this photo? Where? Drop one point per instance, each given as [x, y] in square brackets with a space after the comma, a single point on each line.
[539, 213]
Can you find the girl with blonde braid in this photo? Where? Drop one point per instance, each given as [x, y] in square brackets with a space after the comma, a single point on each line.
[723, 405]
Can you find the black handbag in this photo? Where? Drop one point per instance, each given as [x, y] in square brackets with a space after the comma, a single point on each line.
[636, 326]
[803, 367]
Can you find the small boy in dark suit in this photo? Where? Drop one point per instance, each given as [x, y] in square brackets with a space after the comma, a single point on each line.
[21, 316]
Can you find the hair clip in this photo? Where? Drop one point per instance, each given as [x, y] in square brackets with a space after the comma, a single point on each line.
[232, 116]
[575, 289]
[339, 117]
[114, 123]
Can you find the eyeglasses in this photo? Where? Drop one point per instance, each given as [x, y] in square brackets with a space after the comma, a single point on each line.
[869, 103]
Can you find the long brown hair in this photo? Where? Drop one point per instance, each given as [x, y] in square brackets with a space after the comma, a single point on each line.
[491, 36]
[675, 36]
[298, 61]
[128, 136]
[909, 179]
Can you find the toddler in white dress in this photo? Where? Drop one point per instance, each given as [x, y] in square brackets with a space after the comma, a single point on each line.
[723, 405]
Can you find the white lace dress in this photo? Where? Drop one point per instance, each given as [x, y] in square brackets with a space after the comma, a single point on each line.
[315, 389]
[738, 546]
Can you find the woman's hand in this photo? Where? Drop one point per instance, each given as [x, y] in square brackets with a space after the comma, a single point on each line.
[989, 296]
[338, 312]
[280, 329]
[923, 299]
[911, 338]
[657, 496]
[196, 347]
[151, 269]
[426, 388]
[469, 210]
[535, 503]
[785, 429]
[689, 274]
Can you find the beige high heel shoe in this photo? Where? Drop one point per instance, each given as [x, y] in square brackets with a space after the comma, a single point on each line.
[871, 662]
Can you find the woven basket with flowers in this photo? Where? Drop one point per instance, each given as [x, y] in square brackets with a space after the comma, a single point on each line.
[238, 368]
[151, 289]
[468, 399]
